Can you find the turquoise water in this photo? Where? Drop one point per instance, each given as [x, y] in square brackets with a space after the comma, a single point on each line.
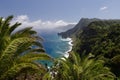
[54, 45]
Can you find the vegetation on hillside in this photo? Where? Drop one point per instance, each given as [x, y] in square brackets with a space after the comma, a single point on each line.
[101, 38]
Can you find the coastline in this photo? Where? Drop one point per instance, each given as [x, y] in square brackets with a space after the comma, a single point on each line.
[70, 47]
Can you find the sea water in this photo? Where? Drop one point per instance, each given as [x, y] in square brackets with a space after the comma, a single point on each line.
[56, 46]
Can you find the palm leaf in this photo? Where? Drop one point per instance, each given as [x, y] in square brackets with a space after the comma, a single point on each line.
[13, 27]
[19, 50]
[14, 45]
[16, 69]
[30, 57]
[5, 25]
[26, 32]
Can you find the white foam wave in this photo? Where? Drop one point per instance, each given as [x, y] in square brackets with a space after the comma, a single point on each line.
[66, 39]
[70, 47]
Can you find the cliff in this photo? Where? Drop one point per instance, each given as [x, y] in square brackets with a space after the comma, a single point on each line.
[75, 30]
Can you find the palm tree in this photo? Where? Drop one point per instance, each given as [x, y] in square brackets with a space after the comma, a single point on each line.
[19, 50]
[84, 68]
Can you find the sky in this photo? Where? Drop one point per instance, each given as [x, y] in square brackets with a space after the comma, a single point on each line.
[56, 13]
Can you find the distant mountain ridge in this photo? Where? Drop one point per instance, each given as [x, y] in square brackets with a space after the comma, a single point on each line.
[82, 23]
[64, 28]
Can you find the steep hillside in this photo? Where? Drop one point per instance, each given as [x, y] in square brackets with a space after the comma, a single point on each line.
[74, 31]
[101, 38]
[102, 30]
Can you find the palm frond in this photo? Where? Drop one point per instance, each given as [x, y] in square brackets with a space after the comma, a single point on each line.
[16, 68]
[13, 27]
[26, 32]
[5, 25]
[14, 45]
[19, 50]
[30, 57]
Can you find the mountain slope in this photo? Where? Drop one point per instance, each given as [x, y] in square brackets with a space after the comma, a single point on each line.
[75, 30]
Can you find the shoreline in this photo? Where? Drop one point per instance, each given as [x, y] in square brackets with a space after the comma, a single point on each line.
[70, 41]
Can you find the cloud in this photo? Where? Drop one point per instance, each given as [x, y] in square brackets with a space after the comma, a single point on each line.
[39, 24]
[103, 8]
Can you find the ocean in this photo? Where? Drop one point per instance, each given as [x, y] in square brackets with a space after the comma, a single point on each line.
[56, 46]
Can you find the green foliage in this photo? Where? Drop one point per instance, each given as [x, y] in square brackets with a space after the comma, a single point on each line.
[99, 37]
[102, 38]
[84, 68]
[19, 50]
